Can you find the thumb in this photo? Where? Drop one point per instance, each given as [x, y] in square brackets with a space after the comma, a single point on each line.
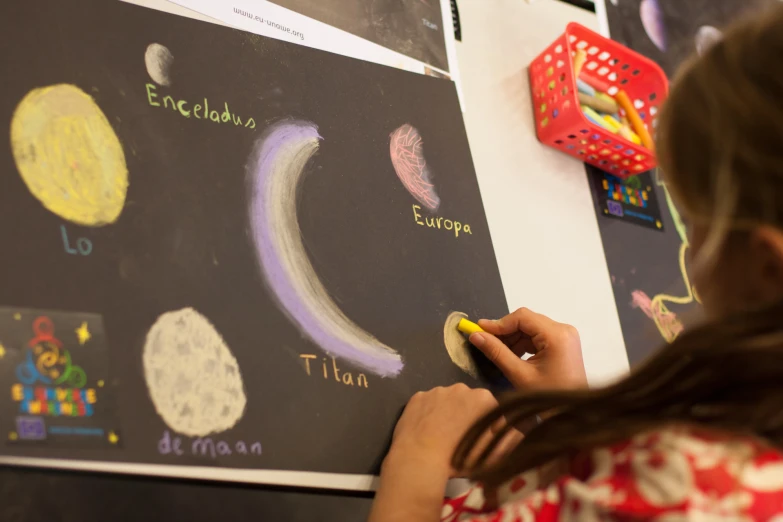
[516, 370]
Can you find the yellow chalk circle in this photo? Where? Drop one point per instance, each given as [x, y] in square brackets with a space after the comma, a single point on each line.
[69, 156]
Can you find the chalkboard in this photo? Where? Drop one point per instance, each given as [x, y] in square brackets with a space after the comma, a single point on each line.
[669, 31]
[146, 314]
[410, 27]
[649, 264]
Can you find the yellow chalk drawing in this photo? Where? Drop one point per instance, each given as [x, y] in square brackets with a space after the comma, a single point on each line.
[113, 438]
[83, 333]
[69, 156]
[2, 351]
[659, 311]
[13, 436]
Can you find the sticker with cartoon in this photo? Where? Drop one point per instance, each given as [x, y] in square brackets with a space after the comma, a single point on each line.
[56, 367]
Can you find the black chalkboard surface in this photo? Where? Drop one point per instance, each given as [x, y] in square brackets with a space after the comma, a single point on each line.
[648, 262]
[173, 297]
[410, 27]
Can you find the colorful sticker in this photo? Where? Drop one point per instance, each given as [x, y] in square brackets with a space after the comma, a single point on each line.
[56, 364]
[632, 200]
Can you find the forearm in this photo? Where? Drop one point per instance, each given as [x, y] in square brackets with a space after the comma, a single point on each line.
[411, 489]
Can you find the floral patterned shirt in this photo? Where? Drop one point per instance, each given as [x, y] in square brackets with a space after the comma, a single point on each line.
[670, 475]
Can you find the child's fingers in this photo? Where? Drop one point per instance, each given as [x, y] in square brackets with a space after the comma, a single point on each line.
[494, 326]
[515, 369]
[522, 320]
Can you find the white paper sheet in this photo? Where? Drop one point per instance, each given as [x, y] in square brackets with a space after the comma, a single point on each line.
[268, 19]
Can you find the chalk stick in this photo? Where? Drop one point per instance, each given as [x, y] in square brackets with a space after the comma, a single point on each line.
[597, 119]
[579, 62]
[636, 121]
[611, 120]
[630, 135]
[596, 83]
[468, 327]
[606, 97]
[597, 103]
[627, 133]
[583, 87]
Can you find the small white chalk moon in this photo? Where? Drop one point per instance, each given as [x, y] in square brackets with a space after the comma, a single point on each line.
[192, 377]
[457, 344]
[158, 60]
[706, 37]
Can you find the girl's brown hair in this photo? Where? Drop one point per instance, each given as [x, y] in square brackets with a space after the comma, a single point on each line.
[720, 140]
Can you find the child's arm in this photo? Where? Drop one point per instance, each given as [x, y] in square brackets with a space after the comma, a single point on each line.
[415, 472]
[411, 489]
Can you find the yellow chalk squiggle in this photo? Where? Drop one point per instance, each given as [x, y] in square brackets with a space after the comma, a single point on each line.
[665, 320]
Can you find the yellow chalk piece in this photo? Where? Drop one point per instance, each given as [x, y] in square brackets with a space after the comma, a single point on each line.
[83, 333]
[616, 125]
[2, 351]
[468, 327]
[113, 438]
[69, 156]
[605, 97]
[596, 118]
[579, 62]
[630, 135]
[597, 103]
[13, 436]
[627, 133]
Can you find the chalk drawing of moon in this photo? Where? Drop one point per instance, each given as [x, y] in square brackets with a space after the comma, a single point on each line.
[652, 20]
[407, 155]
[192, 376]
[158, 60]
[69, 156]
[706, 37]
[275, 171]
[457, 344]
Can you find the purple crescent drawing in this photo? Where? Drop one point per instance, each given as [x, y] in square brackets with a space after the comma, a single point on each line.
[276, 169]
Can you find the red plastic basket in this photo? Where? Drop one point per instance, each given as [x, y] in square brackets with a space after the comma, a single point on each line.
[560, 122]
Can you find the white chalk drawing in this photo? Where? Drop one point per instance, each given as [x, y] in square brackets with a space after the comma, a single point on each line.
[457, 344]
[192, 376]
[158, 60]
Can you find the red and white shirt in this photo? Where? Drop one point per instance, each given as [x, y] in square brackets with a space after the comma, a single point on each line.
[670, 475]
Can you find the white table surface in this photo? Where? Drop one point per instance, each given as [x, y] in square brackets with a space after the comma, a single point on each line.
[537, 200]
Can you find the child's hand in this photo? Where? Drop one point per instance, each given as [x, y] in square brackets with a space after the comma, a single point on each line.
[434, 422]
[415, 472]
[556, 363]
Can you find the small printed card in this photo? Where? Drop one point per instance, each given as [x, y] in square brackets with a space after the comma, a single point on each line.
[632, 200]
[54, 368]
